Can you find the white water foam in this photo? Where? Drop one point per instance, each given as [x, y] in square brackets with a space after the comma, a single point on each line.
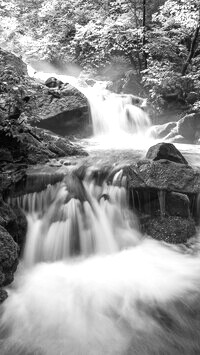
[144, 300]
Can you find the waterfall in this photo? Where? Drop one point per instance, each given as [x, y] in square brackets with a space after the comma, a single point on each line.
[89, 282]
[118, 120]
[61, 226]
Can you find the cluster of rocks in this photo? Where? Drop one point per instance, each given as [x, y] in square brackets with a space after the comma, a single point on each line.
[185, 130]
[167, 191]
[23, 103]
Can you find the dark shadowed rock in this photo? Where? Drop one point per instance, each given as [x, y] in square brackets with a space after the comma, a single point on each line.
[189, 127]
[3, 295]
[172, 229]
[8, 256]
[21, 221]
[177, 204]
[53, 83]
[165, 151]
[8, 219]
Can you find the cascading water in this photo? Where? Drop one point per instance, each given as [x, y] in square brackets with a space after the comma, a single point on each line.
[118, 120]
[60, 226]
[90, 284]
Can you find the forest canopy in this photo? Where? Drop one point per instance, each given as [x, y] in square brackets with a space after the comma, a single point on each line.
[158, 40]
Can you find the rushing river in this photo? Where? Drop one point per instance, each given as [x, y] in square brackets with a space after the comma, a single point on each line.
[89, 282]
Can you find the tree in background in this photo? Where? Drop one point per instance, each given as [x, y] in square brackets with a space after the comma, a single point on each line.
[173, 73]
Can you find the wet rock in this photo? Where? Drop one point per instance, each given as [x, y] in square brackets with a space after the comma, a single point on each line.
[8, 257]
[177, 204]
[163, 175]
[14, 221]
[63, 112]
[3, 295]
[21, 221]
[165, 151]
[161, 131]
[172, 229]
[53, 83]
[90, 82]
[8, 219]
[189, 127]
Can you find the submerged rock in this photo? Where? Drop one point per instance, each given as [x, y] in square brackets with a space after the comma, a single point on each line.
[165, 151]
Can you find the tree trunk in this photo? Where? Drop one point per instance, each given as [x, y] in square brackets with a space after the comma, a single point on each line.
[144, 33]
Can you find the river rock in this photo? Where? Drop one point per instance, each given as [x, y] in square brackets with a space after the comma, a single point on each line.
[53, 83]
[171, 229]
[165, 151]
[163, 175]
[63, 112]
[177, 204]
[161, 131]
[8, 257]
[189, 127]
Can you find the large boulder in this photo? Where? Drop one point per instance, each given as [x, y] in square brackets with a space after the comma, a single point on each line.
[165, 151]
[63, 109]
[189, 127]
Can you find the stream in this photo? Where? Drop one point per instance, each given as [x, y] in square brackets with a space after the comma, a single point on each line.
[90, 282]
